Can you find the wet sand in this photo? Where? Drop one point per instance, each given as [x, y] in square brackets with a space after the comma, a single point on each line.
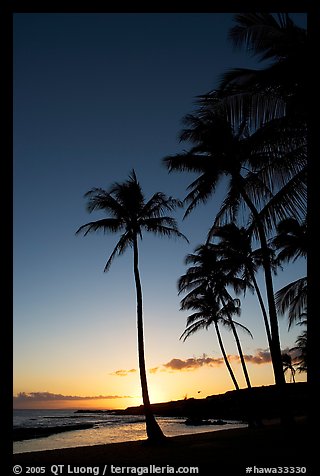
[236, 449]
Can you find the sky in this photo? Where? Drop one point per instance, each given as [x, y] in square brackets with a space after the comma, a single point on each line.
[96, 95]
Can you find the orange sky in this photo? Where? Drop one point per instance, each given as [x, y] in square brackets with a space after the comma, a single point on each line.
[178, 379]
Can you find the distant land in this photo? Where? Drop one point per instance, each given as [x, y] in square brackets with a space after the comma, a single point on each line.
[253, 406]
[263, 402]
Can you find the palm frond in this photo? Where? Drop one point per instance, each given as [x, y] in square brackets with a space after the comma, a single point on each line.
[110, 225]
[292, 298]
[193, 328]
[162, 226]
[291, 240]
[121, 246]
[100, 199]
[289, 201]
[264, 35]
[227, 323]
[129, 195]
[186, 162]
[158, 204]
[201, 190]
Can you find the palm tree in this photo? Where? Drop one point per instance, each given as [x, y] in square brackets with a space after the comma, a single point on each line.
[212, 274]
[256, 118]
[131, 215]
[218, 152]
[272, 101]
[235, 245]
[288, 365]
[209, 312]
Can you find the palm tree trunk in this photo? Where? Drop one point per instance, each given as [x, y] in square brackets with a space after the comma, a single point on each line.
[154, 431]
[263, 309]
[234, 331]
[234, 380]
[247, 407]
[275, 349]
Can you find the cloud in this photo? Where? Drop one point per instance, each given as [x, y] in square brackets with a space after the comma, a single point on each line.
[123, 373]
[47, 396]
[261, 356]
[193, 363]
[154, 370]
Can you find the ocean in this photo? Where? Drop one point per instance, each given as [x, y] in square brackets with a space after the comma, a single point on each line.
[102, 428]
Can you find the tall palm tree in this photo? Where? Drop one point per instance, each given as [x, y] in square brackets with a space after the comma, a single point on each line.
[218, 153]
[208, 313]
[209, 273]
[131, 215]
[265, 128]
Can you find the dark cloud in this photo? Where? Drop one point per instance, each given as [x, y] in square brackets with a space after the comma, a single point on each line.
[47, 396]
[192, 363]
[261, 356]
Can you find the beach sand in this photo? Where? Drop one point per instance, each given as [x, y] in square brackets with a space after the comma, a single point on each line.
[236, 449]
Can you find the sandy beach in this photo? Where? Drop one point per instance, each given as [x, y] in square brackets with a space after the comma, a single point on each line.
[238, 449]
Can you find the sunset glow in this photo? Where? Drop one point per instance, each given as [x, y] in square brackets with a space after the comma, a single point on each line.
[96, 96]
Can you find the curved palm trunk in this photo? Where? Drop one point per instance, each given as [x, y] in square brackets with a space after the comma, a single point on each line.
[252, 421]
[235, 334]
[263, 309]
[154, 431]
[275, 348]
[234, 380]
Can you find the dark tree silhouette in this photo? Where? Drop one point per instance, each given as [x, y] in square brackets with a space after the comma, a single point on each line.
[280, 88]
[208, 312]
[209, 274]
[301, 350]
[131, 215]
[291, 242]
[235, 245]
[288, 364]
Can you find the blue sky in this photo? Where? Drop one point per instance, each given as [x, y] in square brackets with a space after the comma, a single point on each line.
[96, 95]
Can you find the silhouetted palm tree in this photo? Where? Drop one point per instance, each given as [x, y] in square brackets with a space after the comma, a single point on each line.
[131, 215]
[211, 274]
[208, 313]
[235, 245]
[217, 153]
[288, 365]
[252, 129]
